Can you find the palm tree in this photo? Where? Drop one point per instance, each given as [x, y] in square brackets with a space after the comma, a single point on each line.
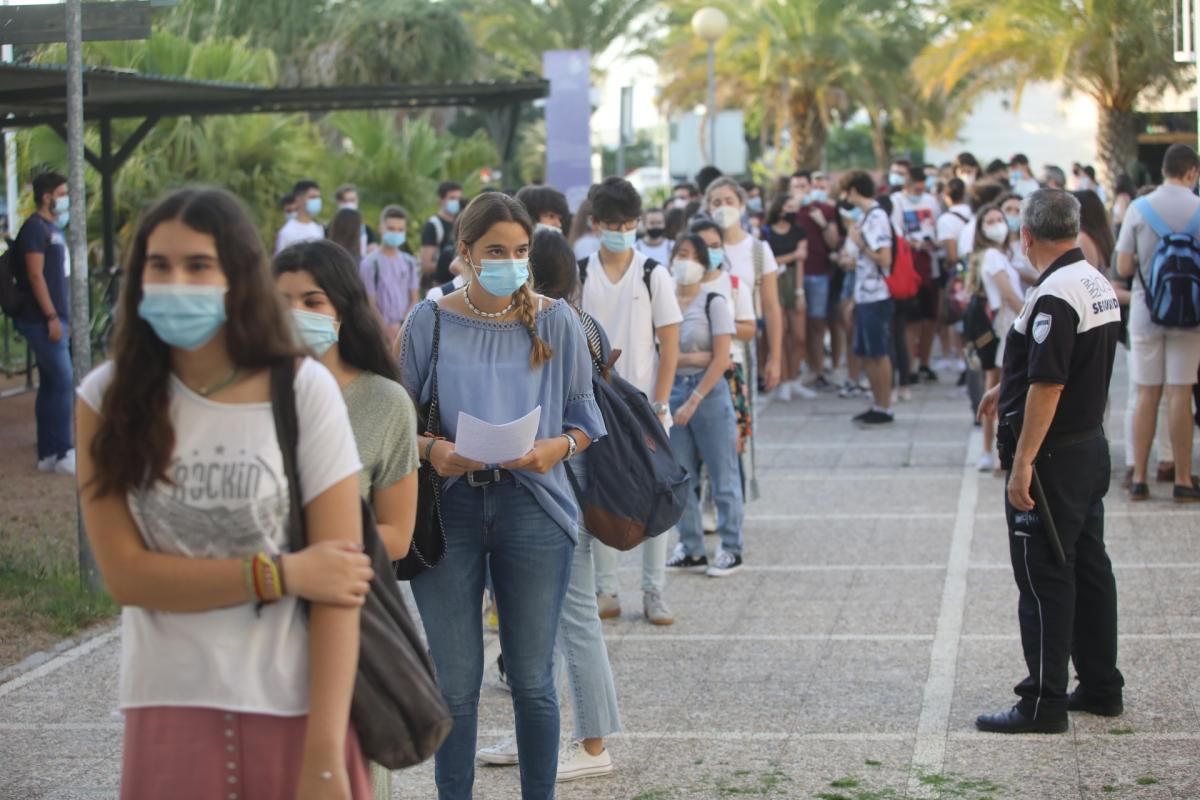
[516, 32]
[1113, 51]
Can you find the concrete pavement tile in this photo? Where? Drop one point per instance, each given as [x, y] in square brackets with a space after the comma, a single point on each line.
[673, 769]
[1141, 767]
[847, 541]
[886, 495]
[84, 690]
[851, 768]
[1023, 767]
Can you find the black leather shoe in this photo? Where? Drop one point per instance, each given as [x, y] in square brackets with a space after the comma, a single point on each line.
[1081, 701]
[1013, 721]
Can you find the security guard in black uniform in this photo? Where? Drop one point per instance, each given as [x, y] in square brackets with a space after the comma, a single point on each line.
[1051, 401]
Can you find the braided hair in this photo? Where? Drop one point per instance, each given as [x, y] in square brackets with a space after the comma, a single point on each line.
[486, 210]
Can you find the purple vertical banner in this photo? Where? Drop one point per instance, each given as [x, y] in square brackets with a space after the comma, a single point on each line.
[568, 123]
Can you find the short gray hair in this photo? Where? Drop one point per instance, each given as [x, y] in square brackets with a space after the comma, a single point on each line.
[1052, 215]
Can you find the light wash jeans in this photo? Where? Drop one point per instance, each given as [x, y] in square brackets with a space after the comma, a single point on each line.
[530, 558]
[711, 436]
[654, 565]
[580, 651]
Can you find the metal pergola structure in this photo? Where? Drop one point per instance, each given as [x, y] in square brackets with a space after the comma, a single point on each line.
[36, 95]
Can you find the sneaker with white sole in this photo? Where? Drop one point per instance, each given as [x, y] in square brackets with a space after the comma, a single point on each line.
[783, 393]
[66, 464]
[986, 463]
[501, 754]
[609, 605]
[575, 762]
[802, 391]
[655, 610]
[724, 564]
[682, 561]
[47, 464]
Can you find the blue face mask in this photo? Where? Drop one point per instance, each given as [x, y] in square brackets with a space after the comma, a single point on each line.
[393, 238]
[617, 241]
[186, 317]
[317, 331]
[453, 206]
[817, 196]
[62, 213]
[503, 276]
[931, 183]
[1014, 223]
[896, 180]
[855, 214]
[754, 204]
[716, 258]
[313, 206]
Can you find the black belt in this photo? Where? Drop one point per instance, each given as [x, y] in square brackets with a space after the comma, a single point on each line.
[487, 477]
[1068, 439]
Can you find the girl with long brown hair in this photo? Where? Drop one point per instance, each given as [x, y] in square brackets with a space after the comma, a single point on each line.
[497, 350]
[226, 688]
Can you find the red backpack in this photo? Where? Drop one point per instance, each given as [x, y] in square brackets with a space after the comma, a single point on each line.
[902, 280]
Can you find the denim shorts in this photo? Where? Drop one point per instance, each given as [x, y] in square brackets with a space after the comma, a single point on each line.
[848, 286]
[816, 295]
[873, 329]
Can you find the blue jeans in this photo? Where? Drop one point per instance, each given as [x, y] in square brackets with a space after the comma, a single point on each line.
[56, 389]
[530, 557]
[581, 651]
[816, 295]
[711, 436]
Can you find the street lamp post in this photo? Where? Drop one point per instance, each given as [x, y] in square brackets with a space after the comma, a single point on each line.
[710, 25]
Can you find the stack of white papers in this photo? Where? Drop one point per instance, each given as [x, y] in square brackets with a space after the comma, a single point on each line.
[496, 444]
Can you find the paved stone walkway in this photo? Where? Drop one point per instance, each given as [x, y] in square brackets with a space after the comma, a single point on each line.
[848, 661]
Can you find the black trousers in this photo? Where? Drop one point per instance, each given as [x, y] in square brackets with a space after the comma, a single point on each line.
[1066, 612]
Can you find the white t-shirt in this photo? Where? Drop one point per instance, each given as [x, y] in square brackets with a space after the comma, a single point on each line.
[740, 258]
[917, 220]
[660, 252]
[966, 238]
[1025, 187]
[229, 499]
[869, 286]
[436, 292]
[996, 263]
[630, 317]
[740, 301]
[950, 225]
[295, 231]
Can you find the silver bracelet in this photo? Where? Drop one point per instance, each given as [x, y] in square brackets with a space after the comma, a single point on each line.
[698, 396]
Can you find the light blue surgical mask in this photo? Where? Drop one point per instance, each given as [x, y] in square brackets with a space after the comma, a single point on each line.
[501, 277]
[319, 332]
[931, 183]
[394, 238]
[1014, 223]
[716, 257]
[855, 214]
[754, 204]
[542, 226]
[617, 241]
[313, 206]
[62, 211]
[291, 215]
[453, 206]
[186, 317]
[896, 180]
[817, 196]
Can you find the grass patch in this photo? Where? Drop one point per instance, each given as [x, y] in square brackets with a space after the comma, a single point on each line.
[1108, 788]
[750, 784]
[653, 794]
[1121, 731]
[870, 762]
[1146, 780]
[844, 783]
[50, 595]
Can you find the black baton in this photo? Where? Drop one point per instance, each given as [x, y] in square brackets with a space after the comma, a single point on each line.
[1043, 509]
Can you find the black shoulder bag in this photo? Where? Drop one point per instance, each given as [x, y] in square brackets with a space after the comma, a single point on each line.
[397, 708]
[429, 537]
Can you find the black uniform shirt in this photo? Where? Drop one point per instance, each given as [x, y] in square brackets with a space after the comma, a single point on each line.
[1067, 334]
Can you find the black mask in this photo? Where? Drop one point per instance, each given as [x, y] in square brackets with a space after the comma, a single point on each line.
[655, 233]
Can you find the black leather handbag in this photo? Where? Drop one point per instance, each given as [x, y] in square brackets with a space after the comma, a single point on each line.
[397, 708]
[429, 537]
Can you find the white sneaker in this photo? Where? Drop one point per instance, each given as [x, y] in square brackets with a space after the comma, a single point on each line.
[66, 464]
[502, 754]
[574, 762]
[986, 463]
[802, 391]
[783, 393]
[47, 464]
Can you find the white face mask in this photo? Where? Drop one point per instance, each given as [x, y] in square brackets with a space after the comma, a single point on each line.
[687, 272]
[727, 217]
[996, 231]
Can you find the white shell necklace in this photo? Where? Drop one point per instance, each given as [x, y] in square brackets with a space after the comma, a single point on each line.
[488, 314]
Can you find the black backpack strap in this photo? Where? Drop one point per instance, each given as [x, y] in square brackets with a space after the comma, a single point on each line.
[647, 271]
[583, 265]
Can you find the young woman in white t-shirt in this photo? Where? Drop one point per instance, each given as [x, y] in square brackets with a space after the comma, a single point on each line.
[725, 200]
[992, 272]
[227, 686]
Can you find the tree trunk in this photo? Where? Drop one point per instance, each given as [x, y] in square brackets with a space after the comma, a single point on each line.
[879, 141]
[1116, 144]
[808, 134]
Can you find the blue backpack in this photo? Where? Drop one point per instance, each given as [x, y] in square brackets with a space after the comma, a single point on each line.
[1173, 288]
